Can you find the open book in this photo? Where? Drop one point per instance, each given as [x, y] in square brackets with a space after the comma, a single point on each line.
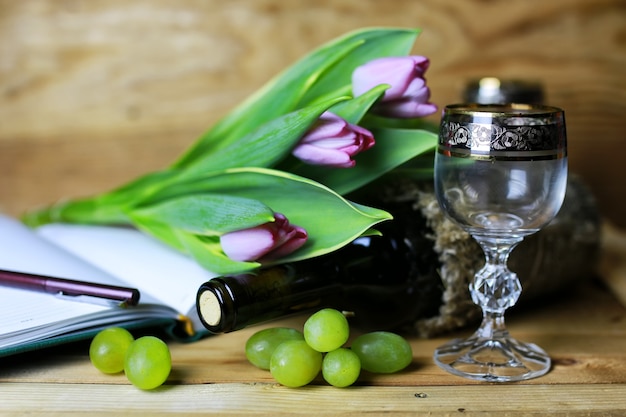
[167, 280]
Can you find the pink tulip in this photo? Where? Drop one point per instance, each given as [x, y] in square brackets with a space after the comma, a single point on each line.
[265, 242]
[332, 141]
[408, 94]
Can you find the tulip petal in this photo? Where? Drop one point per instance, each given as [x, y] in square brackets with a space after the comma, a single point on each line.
[316, 155]
[407, 95]
[421, 63]
[395, 71]
[296, 238]
[265, 242]
[333, 142]
[417, 90]
[344, 141]
[248, 244]
[324, 128]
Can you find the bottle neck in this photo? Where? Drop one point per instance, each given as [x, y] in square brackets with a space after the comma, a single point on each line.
[233, 302]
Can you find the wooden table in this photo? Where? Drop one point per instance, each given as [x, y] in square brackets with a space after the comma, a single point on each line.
[96, 93]
[584, 332]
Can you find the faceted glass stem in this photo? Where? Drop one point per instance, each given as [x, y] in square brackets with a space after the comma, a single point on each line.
[491, 354]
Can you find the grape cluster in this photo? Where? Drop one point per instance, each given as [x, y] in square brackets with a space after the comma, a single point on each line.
[146, 361]
[295, 358]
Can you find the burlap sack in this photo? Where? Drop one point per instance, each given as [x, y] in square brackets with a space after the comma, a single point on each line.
[548, 263]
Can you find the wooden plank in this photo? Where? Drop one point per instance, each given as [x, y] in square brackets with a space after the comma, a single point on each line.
[93, 93]
[270, 399]
[585, 334]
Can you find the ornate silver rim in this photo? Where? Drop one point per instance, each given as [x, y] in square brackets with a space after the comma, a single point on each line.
[504, 131]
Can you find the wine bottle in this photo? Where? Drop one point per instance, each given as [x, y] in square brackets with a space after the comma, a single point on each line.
[492, 90]
[379, 281]
[413, 277]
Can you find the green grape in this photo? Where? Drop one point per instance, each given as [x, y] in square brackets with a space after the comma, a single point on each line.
[294, 363]
[383, 352]
[261, 345]
[108, 349]
[148, 362]
[341, 367]
[326, 330]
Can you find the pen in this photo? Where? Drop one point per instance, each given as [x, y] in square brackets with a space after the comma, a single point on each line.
[71, 288]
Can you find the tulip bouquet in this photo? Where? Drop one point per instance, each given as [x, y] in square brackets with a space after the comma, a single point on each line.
[268, 183]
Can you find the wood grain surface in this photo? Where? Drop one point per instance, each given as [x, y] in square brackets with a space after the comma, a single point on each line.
[94, 93]
[602, 400]
[585, 334]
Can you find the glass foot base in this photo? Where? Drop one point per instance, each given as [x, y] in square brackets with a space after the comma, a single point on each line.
[492, 360]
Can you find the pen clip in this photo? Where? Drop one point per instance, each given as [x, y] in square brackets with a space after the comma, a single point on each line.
[90, 299]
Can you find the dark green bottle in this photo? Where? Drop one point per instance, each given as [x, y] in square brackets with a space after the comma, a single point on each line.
[381, 282]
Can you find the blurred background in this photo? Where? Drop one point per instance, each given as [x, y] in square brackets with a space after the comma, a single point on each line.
[96, 92]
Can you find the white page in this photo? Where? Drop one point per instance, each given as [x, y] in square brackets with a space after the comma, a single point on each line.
[22, 250]
[136, 258]
[22, 311]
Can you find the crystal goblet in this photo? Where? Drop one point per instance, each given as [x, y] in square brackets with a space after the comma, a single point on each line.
[500, 173]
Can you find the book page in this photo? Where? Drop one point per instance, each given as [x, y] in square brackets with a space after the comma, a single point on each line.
[23, 251]
[24, 311]
[137, 259]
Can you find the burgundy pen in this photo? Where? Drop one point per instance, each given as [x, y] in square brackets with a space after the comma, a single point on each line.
[71, 288]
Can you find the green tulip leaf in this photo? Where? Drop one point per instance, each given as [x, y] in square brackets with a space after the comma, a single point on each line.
[377, 43]
[207, 213]
[330, 220]
[354, 110]
[162, 231]
[262, 147]
[205, 250]
[326, 69]
[275, 98]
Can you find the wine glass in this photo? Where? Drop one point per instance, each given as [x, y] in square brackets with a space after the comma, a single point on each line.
[500, 173]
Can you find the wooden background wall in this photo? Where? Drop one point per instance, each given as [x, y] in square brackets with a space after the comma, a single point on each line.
[96, 92]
